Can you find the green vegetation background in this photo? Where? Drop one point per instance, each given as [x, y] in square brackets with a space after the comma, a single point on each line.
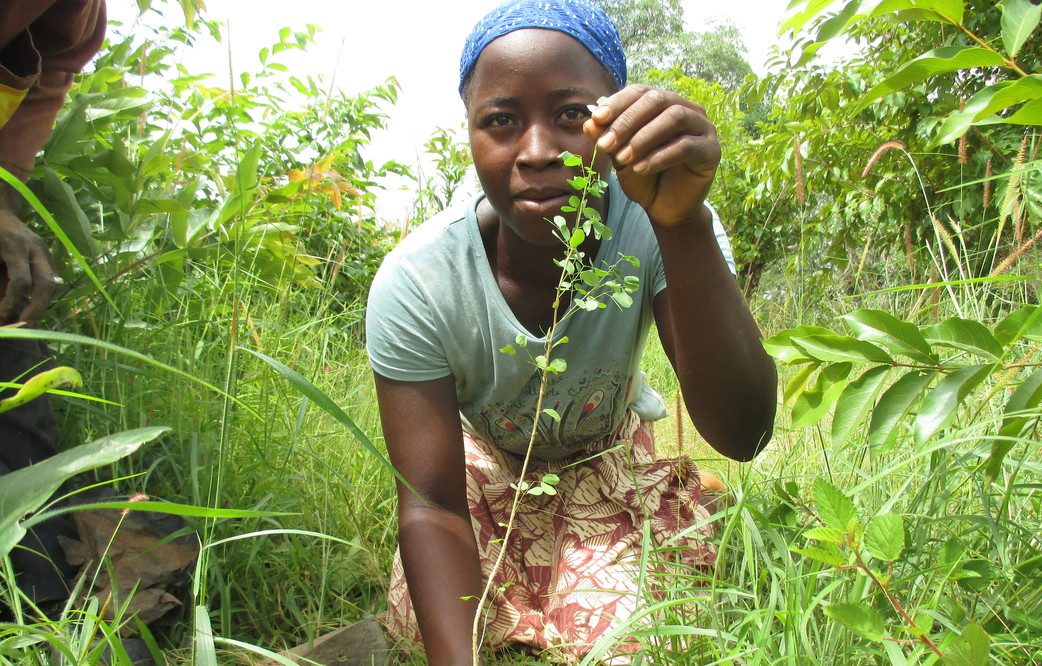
[229, 221]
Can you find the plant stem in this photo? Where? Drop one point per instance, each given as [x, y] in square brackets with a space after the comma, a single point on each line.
[923, 638]
[544, 376]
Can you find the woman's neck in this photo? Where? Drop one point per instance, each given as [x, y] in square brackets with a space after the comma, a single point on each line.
[526, 273]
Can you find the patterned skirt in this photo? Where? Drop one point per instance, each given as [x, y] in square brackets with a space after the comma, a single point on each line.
[571, 569]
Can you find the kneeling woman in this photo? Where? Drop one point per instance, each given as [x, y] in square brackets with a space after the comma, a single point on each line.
[457, 414]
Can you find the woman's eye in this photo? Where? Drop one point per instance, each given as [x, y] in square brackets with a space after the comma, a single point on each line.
[497, 120]
[573, 113]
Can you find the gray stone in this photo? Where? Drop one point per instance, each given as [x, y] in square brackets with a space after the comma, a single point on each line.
[360, 644]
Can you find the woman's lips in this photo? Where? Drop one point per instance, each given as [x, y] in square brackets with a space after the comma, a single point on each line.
[546, 204]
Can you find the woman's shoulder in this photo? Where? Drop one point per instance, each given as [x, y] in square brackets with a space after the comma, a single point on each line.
[429, 257]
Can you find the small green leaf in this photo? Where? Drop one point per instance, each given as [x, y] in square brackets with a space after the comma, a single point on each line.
[579, 182]
[895, 403]
[940, 405]
[577, 238]
[557, 365]
[835, 509]
[966, 335]
[885, 536]
[571, 159]
[622, 299]
[862, 619]
[900, 337]
[840, 348]
[1019, 20]
[551, 479]
[508, 350]
[855, 403]
[521, 340]
[547, 489]
[827, 534]
[553, 414]
[541, 362]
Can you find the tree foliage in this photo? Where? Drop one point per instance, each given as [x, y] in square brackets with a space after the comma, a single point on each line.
[654, 38]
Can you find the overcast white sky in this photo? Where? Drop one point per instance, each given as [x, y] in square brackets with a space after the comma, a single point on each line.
[418, 42]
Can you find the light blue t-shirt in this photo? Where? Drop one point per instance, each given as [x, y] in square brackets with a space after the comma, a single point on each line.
[435, 310]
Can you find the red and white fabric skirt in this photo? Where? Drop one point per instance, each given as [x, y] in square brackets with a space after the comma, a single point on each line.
[571, 570]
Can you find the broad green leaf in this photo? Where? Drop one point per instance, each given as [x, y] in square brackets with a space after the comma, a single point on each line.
[204, 652]
[840, 348]
[39, 384]
[1017, 418]
[972, 649]
[862, 619]
[812, 404]
[938, 61]
[827, 534]
[835, 509]
[798, 384]
[67, 211]
[988, 101]
[894, 405]
[827, 553]
[323, 401]
[950, 11]
[856, 402]
[900, 337]
[796, 22]
[941, 404]
[1029, 114]
[965, 334]
[25, 490]
[780, 344]
[885, 536]
[1019, 20]
[1025, 322]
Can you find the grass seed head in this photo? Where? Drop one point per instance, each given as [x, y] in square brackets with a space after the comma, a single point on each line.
[880, 151]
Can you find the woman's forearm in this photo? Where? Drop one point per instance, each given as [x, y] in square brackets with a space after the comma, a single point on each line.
[440, 558]
[728, 381]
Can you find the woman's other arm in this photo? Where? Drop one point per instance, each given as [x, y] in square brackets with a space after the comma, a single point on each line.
[424, 438]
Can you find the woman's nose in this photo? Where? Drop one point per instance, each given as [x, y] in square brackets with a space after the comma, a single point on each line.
[538, 147]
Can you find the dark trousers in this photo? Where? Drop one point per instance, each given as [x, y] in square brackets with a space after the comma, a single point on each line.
[27, 435]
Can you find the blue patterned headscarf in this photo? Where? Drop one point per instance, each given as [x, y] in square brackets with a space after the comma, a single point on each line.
[579, 19]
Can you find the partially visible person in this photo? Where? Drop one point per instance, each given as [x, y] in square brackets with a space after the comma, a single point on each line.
[43, 44]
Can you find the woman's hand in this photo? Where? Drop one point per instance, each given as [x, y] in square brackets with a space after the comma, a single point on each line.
[664, 149]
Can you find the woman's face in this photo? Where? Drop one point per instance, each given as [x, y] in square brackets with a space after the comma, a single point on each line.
[526, 103]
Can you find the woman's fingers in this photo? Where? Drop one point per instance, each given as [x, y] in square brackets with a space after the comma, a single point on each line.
[651, 129]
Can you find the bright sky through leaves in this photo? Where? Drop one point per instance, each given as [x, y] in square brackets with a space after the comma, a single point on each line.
[418, 42]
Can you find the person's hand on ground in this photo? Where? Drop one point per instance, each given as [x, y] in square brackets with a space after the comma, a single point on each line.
[27, 278]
